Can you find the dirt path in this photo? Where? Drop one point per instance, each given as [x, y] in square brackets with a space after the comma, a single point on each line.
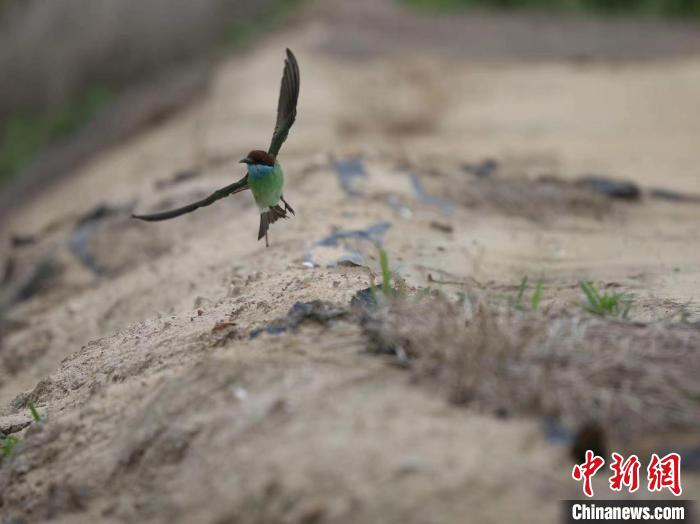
[161, 406]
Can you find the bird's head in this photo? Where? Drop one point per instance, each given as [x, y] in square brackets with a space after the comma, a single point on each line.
[258, 158]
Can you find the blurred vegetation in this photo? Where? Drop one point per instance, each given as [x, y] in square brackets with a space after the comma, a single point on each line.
[25, 134]
[678, 8]
[64, 61]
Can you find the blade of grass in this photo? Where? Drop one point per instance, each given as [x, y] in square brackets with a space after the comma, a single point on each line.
[537, 295]
[34, 412]
[521, 293]
[386, 273]
[592, 297]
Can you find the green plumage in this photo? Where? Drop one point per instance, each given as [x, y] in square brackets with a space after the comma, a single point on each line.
[266, 185]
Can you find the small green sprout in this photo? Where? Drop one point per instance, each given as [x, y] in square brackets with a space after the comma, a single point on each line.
[537, 295]
[7, 444]
[386, 273]
[607, 304]
[536, 298]
[34, 412]
[398, 288]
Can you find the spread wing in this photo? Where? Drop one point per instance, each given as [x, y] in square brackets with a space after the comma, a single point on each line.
[234, 188]
[287, 105]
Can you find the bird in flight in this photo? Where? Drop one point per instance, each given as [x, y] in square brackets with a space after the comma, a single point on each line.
[264, 178]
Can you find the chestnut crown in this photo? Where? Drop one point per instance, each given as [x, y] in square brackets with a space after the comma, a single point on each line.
[260, 158]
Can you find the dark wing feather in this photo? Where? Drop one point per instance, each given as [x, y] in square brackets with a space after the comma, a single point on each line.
[287, 105]
[234, 188]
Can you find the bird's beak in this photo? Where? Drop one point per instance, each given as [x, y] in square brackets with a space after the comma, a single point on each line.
[245, 160]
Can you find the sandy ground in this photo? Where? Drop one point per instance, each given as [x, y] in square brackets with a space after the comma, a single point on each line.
[162, 408]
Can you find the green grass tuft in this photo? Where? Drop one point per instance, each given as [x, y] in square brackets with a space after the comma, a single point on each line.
[391, 286]
[536, 298]
[607, 304]
[7, 444]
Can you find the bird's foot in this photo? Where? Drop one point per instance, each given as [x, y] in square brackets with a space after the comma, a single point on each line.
[287, 207]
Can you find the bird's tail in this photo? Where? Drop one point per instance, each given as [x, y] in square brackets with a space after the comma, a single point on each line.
[264, 224]
[268, 217]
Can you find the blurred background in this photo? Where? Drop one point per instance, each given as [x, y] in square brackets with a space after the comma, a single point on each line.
[511, 158]
[65, 62]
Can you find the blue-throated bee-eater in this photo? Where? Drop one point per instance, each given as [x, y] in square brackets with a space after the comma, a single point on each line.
[264, 178]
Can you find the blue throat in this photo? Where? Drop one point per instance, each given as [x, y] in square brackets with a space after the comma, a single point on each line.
[259, 170]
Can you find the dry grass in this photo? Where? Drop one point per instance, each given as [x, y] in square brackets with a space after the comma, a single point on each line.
[626, 377]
